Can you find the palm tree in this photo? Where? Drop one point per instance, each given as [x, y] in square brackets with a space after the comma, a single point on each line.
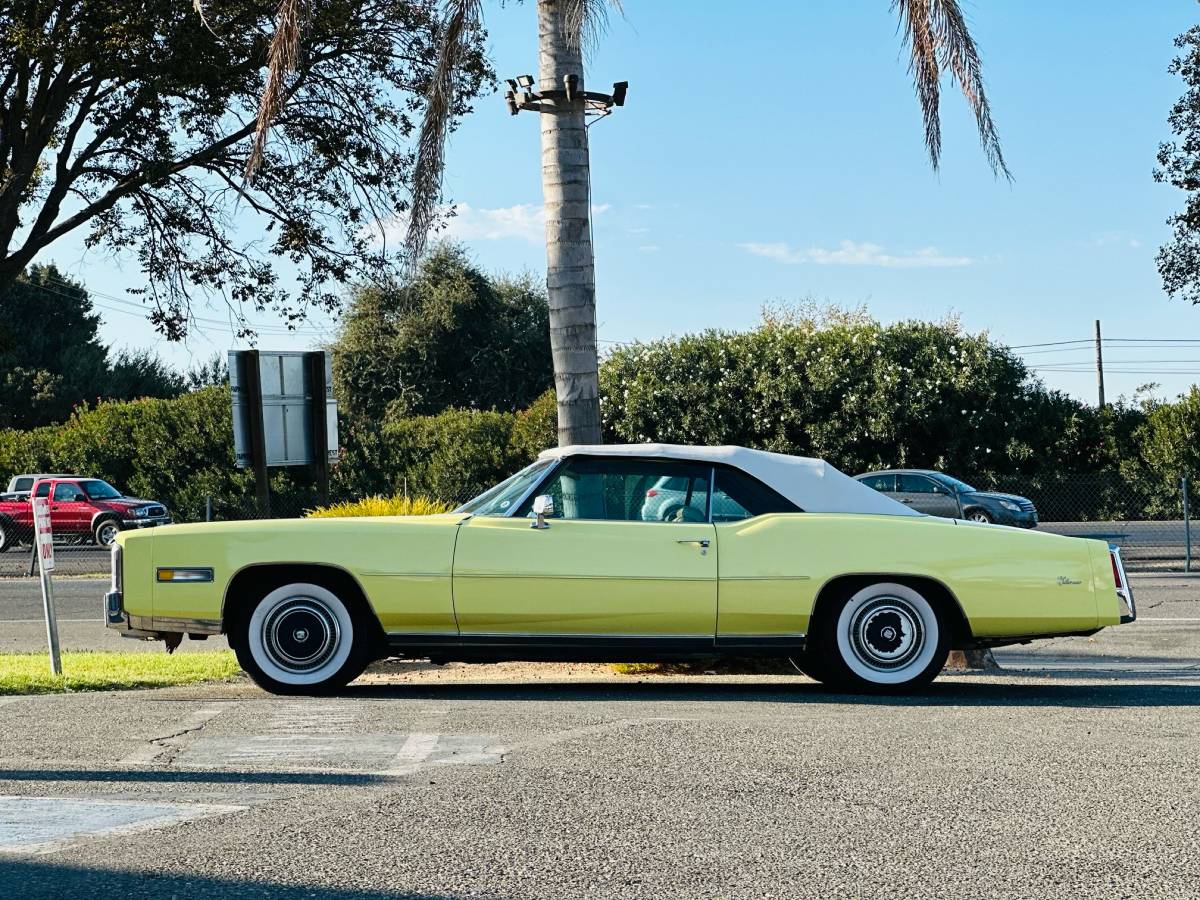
[935, 33]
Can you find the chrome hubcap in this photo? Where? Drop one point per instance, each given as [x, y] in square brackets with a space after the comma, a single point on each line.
[108, 534]
[301, 634]
[887, 633]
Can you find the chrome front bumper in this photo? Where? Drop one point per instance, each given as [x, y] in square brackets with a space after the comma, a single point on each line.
[146, 522]
[152, 628]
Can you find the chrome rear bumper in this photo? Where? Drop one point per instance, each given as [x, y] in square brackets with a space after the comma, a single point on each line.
[1128, 607]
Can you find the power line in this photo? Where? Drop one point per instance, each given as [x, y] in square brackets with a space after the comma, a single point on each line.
[139, 309]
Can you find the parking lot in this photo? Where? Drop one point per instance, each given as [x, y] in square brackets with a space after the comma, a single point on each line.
[1071, 772]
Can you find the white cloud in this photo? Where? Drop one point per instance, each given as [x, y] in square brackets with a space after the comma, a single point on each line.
[1115, 238]
[852, 253]
[523, 222]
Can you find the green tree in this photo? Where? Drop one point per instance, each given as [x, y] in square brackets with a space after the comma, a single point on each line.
[450, 337]
[850, 390]
[141, 373]
[51, 357]
[135, 121]
[1178, 163]
[934, 31]
[1170, 437]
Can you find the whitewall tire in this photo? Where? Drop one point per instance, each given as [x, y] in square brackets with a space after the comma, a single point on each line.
[882, 637]
[302, 638]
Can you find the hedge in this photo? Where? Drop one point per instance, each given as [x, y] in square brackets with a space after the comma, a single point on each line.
[181, 452]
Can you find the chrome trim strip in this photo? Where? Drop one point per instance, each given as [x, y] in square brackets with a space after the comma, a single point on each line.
[766, 578]
[380, 573]
[547, 635]
[544, 577]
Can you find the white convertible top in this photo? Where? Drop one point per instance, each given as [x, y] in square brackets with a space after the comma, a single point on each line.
[812, 484]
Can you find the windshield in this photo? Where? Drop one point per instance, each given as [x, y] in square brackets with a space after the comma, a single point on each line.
[499, 500]
[959, 487]
[99, 490]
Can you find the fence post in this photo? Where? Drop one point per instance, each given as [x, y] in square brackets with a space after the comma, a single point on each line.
[208, 507]
[1187, 526]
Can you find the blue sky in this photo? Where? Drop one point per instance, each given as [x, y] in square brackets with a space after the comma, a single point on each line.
[772, 152]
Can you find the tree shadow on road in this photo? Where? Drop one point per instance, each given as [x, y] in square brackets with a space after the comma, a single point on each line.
[29, 879]
[960, 691]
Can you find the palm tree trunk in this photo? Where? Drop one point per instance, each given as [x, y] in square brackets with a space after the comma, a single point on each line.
[570, 261]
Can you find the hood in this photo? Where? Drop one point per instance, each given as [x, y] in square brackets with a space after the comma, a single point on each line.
[996, 495]
[129, 502]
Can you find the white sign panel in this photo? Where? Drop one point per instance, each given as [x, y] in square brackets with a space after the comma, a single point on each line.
[43, 534]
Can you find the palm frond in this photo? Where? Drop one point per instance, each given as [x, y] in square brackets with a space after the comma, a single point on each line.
[461, 21]
[938, 39]
[586, 21]
[282, 57]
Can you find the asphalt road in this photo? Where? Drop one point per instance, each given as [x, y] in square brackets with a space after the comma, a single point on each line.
[1072, 773]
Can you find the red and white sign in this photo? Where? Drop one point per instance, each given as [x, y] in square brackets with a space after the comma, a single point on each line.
[43, 536]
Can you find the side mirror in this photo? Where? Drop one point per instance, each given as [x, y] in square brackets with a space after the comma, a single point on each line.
[543, 505]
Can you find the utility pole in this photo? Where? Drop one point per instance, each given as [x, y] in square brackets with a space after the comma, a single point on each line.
[1099, 365]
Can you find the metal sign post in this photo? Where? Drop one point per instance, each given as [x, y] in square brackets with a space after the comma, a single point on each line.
[44, 547]
[1187, 527]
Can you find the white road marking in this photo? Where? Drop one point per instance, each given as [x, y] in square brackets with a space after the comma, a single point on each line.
[45, 824]
[318, 718]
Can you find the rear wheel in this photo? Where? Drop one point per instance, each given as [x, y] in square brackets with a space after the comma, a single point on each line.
[884, 637]
[302, 639]
[7, 537]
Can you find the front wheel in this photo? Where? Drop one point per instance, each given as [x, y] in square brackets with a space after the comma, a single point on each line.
[302, 639]
[106, 532]
[882, 638]
[978, 515]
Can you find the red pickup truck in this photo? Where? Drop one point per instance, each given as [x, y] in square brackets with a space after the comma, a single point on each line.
[80, 508]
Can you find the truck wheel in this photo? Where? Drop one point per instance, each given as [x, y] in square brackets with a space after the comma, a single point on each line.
[302, 639]
[7, 537]
[106, 532]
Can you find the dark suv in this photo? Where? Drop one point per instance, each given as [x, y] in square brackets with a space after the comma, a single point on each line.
[940, 495]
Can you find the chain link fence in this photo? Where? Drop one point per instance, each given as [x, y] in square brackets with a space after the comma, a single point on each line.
[1147, 518]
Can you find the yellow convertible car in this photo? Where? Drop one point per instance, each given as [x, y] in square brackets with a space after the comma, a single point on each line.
[621, 553]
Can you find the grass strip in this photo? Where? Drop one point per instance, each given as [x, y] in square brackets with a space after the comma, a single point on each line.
[29, 673]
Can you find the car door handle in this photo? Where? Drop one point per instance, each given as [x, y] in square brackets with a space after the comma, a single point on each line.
[703, 542]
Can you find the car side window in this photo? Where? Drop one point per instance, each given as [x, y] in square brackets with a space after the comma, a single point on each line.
[884, 483]
[627, 490]
[43, 489]
[738, 496]
[916, 484]
[65, 492]
[22, 484]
